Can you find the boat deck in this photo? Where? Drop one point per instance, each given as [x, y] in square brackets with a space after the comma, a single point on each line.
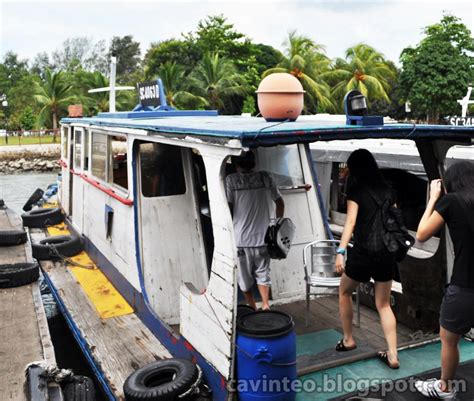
[116, 346]
[24, 333]
[316, 342]
[403, 389]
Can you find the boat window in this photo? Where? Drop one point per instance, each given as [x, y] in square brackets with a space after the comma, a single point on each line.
[64, 138]
[283, 162]
[161, 169]
[118, 161]
[77, 149]
[86, 150]
[458, 153]
[99, 155]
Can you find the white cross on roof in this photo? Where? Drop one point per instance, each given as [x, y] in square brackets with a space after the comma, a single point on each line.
[465, 102]
[112, 88]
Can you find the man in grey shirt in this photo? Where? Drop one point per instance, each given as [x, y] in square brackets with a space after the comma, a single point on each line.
[250, 195]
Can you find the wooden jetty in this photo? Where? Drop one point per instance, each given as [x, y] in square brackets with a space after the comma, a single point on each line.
[24, 332]
[116, 346]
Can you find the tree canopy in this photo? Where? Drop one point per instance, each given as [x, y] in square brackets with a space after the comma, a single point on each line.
[216, 66]
[437, 71]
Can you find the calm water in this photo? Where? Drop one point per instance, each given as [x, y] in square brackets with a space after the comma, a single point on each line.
[15, 189]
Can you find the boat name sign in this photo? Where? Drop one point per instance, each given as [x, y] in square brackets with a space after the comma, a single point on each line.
[465, 121]
[149, 93]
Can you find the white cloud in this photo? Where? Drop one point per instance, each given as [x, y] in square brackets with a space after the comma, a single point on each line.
[30, 27]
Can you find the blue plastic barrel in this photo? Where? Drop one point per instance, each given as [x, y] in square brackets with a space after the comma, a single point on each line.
[266, 357]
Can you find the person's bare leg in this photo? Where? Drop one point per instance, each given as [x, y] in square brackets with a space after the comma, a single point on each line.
[346, 288]
[250, 299]
[449, 357]
[387, 318]
[265, 294]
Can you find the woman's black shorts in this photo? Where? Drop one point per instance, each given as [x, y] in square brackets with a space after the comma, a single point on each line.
[362, 266]
[457, 313]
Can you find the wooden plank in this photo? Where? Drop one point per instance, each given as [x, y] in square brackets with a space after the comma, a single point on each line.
[324, 314]
[24, 332]
[118, 345]
[20, 339]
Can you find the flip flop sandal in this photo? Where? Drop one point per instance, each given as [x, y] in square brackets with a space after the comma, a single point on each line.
[383, 356]
[340, 347]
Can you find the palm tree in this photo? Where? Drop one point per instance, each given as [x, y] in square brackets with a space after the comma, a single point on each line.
[216, 79]
[99, 101]
[365, 70]
[305, 60]
[53, 95]
[174, 82]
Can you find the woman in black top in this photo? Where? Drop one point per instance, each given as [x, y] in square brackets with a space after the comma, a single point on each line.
[456, 209]
[366, 189]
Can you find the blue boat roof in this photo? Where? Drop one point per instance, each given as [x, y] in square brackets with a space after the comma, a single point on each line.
[253, 131]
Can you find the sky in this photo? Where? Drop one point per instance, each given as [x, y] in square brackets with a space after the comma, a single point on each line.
[30, 27]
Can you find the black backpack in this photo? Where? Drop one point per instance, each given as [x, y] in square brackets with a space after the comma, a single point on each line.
[388, 231]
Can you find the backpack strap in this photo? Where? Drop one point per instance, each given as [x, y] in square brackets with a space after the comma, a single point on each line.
[375, 198]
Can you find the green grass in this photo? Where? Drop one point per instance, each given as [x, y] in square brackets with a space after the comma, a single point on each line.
[27, 140]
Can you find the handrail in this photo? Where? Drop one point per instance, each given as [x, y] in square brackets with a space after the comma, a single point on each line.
[108, 191]
[306, 187]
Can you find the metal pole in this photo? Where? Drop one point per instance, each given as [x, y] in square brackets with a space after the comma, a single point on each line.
[113, 72]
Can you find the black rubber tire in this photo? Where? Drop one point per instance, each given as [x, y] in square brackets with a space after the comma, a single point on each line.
[35, 197]
[13, 237]
[79, 388]
[64, 245]
[163, 380]
[18, 274]
[40, 218]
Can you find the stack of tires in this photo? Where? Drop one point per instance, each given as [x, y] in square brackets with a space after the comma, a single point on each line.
[16, 274]
[55, 247]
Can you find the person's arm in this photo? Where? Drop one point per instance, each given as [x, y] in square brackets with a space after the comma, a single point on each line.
[431, 221]
[280, 207]
[230, 195]
[352, 210]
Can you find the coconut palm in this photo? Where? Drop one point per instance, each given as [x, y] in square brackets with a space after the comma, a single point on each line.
[363, 69]
[53, 95]
[305, 60]
[174, 82]
[216, 79]
[99, 101]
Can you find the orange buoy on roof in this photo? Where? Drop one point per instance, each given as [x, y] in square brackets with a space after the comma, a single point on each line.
[280, 97]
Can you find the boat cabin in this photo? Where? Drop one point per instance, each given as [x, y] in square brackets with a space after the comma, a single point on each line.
[146, 191]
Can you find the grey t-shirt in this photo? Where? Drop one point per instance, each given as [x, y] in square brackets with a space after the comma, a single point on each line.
[251, 195]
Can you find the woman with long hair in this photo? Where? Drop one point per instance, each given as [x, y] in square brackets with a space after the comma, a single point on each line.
[366, 189]
[456, 209]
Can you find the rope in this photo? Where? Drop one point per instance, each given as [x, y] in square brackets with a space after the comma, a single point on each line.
[54, 253]
[51, 372]
[194, 387]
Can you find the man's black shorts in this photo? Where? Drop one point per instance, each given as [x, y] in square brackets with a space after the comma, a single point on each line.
[362, 266]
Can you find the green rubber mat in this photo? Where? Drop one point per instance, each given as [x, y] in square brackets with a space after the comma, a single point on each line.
[317, 342]
[404, 390]
[318, 348]
[346, 379]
